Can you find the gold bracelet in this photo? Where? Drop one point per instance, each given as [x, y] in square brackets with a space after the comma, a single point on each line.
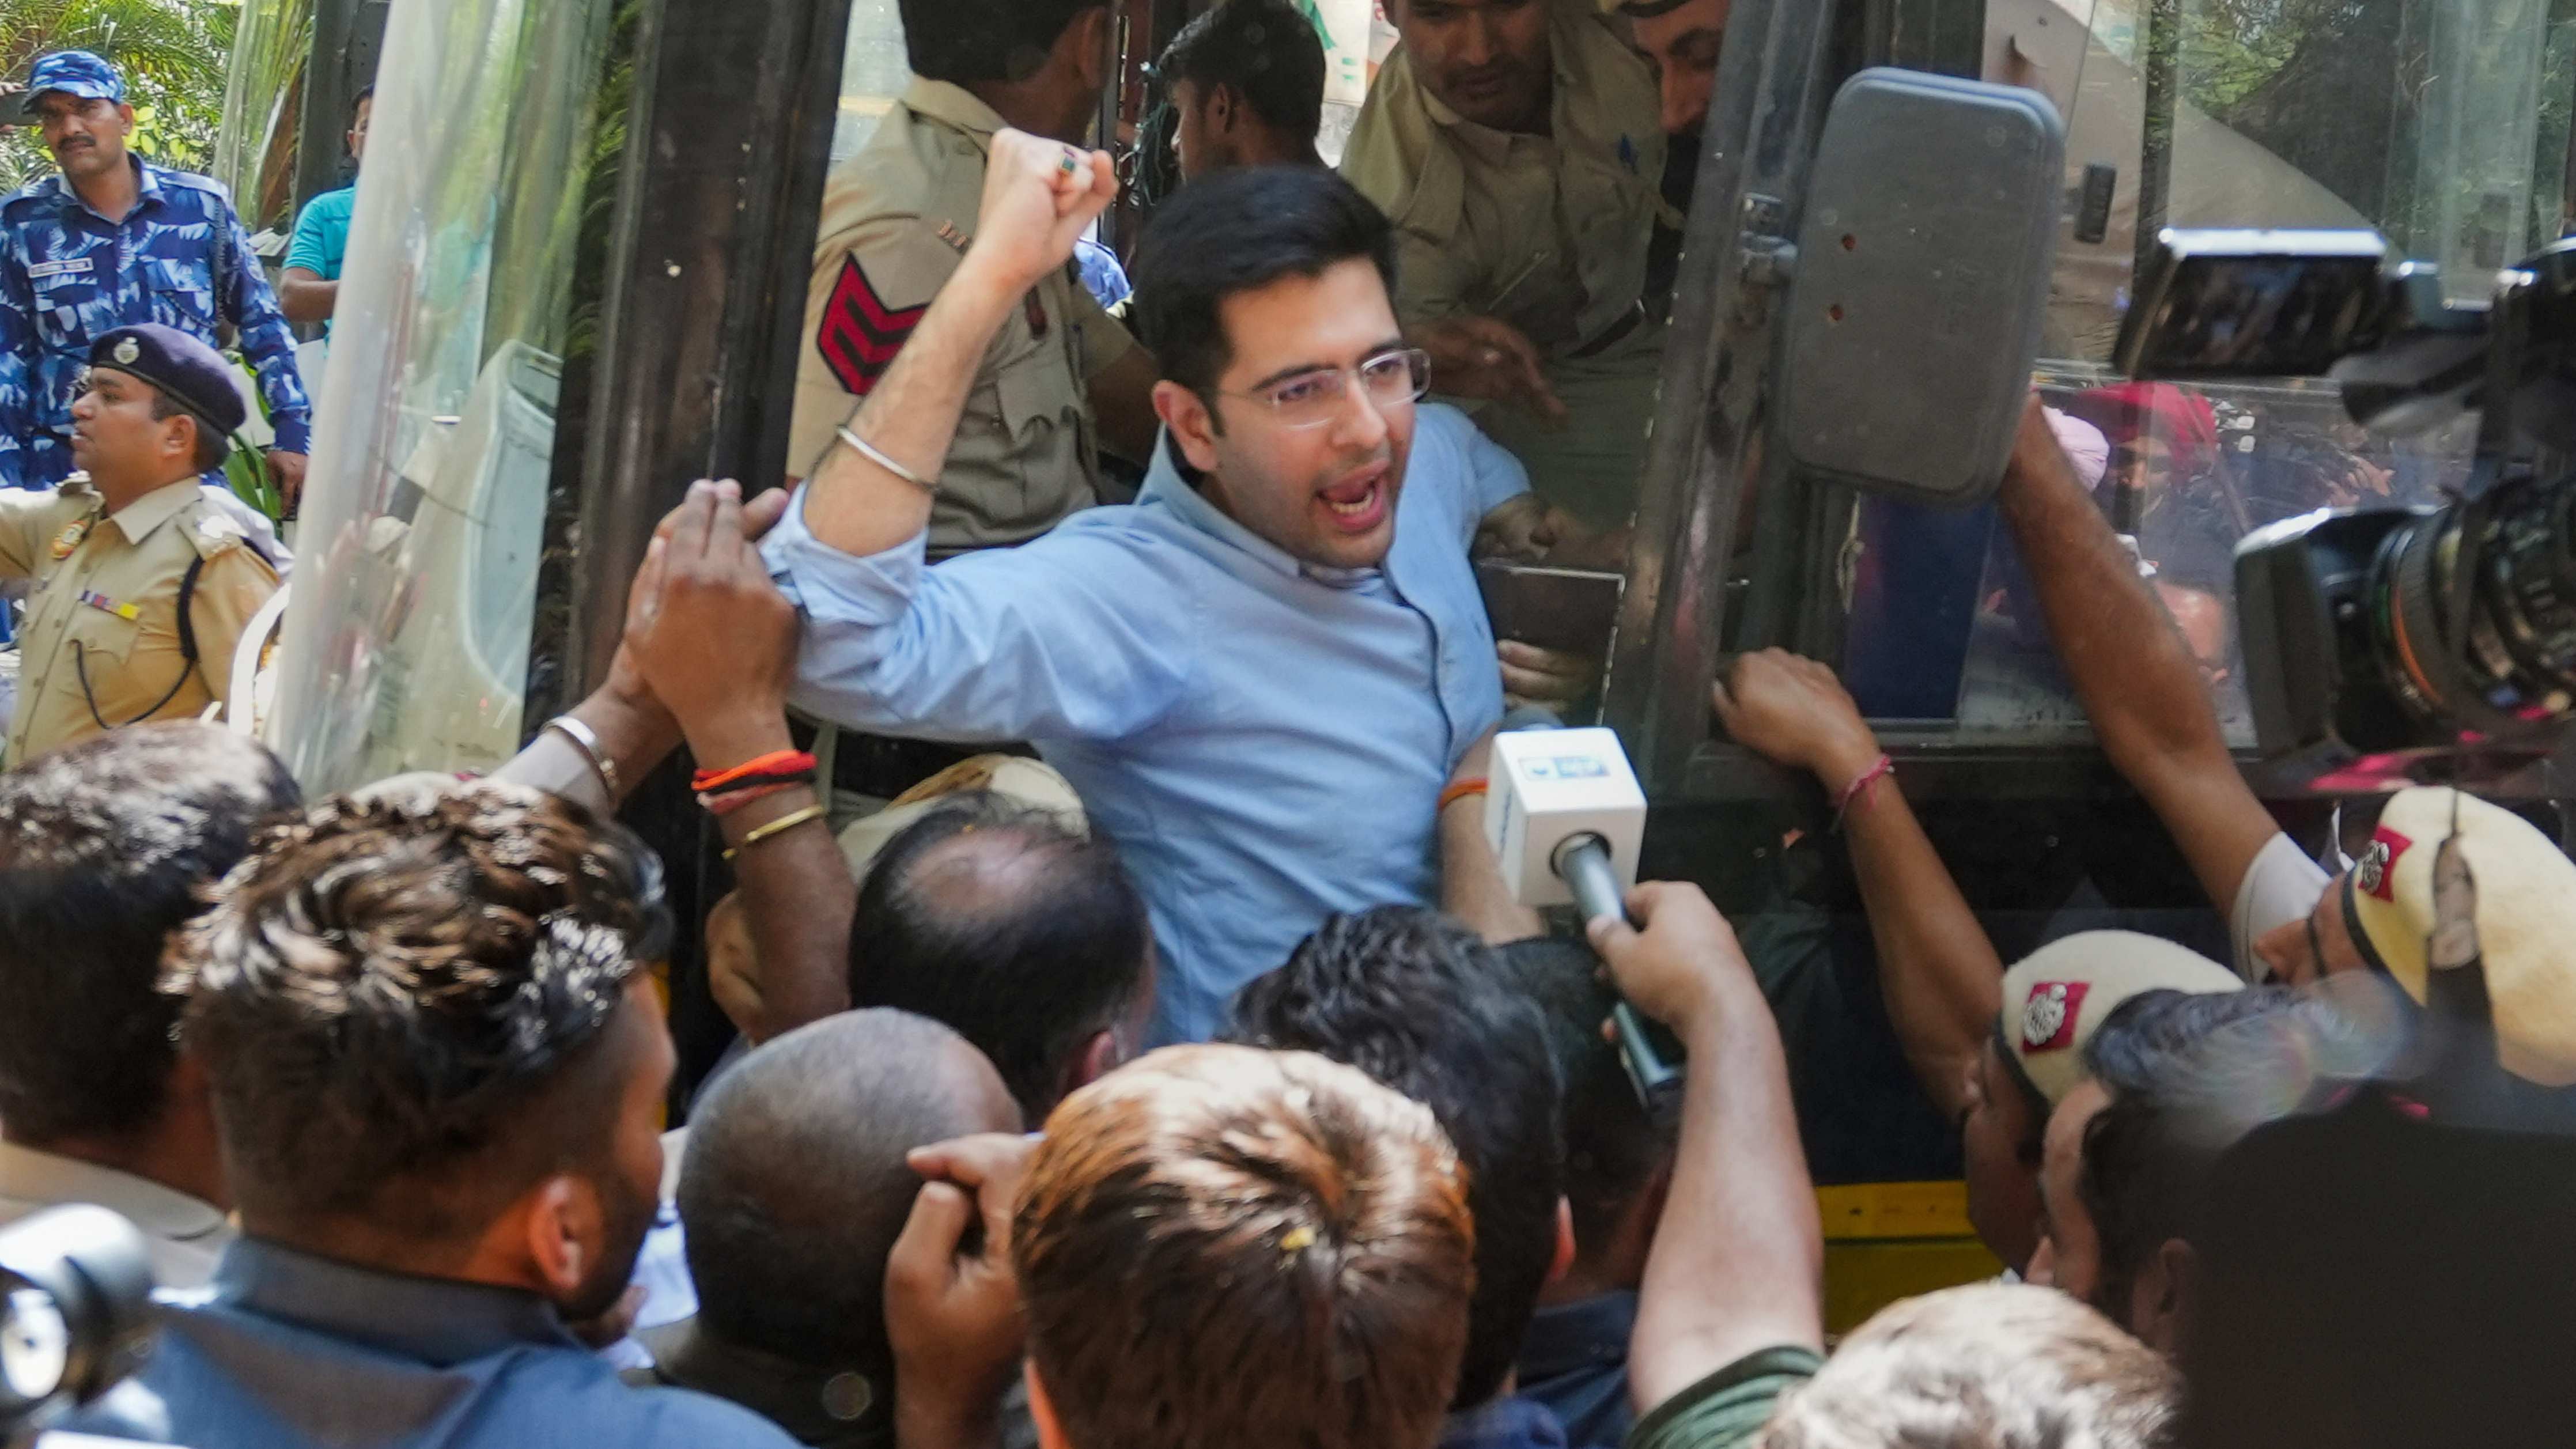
[778, 826]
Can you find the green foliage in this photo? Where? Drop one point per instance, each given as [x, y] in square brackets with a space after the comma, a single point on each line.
[263, 99]
[171, 51]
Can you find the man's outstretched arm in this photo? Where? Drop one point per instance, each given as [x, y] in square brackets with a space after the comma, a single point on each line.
[1038, 197]
[1938, 972]
[1738, 1260]
[2131, 667]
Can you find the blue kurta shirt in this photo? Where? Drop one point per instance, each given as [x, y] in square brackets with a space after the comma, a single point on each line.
[67, 274]
[1264, 741]
[285, 1350]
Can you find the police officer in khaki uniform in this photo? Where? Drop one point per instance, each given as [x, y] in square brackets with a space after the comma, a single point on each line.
[142, 585]
[1064, 378]
[1517, 146]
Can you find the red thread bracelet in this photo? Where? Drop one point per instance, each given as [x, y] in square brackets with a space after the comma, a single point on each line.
[1857, 792]
[723, 805]
[1460, 791]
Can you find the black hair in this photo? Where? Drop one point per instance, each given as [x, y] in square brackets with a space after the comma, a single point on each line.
[1418, 1002]
[796, 1185]
[1614, 1147]
[1023, 935]
[968, 41]
[1267, 50]
[106, 846]
[2188, 1074]
[1236, 231]
[363, 96]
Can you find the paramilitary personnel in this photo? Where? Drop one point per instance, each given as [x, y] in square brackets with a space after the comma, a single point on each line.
[1063, 377]
[1517, 147]
[143, 584]
[115, 240]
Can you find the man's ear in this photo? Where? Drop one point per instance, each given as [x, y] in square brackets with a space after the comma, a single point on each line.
[1224, 103]
[564, 1232]
[1563, 1261]
[1050, 1429]
[1192, 425]
[1089, 35]
[1097, 1059]
[2160, 1297]
[125, 113]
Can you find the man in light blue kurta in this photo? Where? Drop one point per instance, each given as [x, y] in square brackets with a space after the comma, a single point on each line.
[1263, 735]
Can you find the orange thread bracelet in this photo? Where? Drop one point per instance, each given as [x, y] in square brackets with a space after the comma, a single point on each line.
[776, 762]
[1460, 791]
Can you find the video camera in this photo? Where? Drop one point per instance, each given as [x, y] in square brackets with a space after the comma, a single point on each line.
[2393, 644]
[75, 1315]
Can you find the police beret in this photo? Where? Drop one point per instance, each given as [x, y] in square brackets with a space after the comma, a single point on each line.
[186, 370]
[74, 73]
[2057, 996]
[2526, 900]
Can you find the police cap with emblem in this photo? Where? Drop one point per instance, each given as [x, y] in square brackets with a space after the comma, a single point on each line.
[2526, 918]
[187, 372]
[2059, 994]
[74, 73]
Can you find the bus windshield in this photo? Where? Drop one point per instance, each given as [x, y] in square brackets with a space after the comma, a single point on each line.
[2443, 124]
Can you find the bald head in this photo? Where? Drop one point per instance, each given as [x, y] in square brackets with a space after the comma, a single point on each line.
[796, 1187]
[1023, 935]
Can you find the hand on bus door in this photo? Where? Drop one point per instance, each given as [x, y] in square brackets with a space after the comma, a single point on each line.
[1792, 710]
[1039, 197]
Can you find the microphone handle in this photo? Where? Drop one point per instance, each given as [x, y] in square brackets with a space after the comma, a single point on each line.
[1584, 862]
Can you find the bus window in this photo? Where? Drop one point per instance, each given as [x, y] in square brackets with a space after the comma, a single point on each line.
[873, 74]
[2443, 126]
[408, 639]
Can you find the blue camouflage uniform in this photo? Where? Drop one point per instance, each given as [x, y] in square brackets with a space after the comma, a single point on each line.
[68, 274]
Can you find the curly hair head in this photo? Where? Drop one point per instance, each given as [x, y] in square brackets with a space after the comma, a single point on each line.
[391, 988]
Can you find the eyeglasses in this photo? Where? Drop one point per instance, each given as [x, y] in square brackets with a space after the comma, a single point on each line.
[1312, 399]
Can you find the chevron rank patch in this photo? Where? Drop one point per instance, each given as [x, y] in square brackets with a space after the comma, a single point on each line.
[861, 332]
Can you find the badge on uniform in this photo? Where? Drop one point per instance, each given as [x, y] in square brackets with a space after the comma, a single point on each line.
[71, 536]
[2048, 1017]
[2376, 871]
[106, 605]
[861, 332]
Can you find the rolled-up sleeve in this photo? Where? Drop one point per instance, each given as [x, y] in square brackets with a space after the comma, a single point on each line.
[1082, 635]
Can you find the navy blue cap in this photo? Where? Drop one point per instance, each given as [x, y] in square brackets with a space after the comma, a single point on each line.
[187, 371]
[74, 73]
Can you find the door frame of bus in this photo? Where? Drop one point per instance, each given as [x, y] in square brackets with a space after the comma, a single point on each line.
[1782, 61]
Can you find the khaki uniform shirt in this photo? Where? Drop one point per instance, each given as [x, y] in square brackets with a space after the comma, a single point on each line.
[185, 1236]
[896, 218]
[1548, 233]
[106, 601]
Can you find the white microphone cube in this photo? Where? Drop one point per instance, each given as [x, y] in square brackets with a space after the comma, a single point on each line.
[1547, 786]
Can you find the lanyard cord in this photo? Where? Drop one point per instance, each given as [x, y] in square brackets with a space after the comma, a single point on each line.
[187, 651]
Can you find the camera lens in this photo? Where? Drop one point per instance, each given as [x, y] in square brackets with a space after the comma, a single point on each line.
[2512, 664]
[35, 1346]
